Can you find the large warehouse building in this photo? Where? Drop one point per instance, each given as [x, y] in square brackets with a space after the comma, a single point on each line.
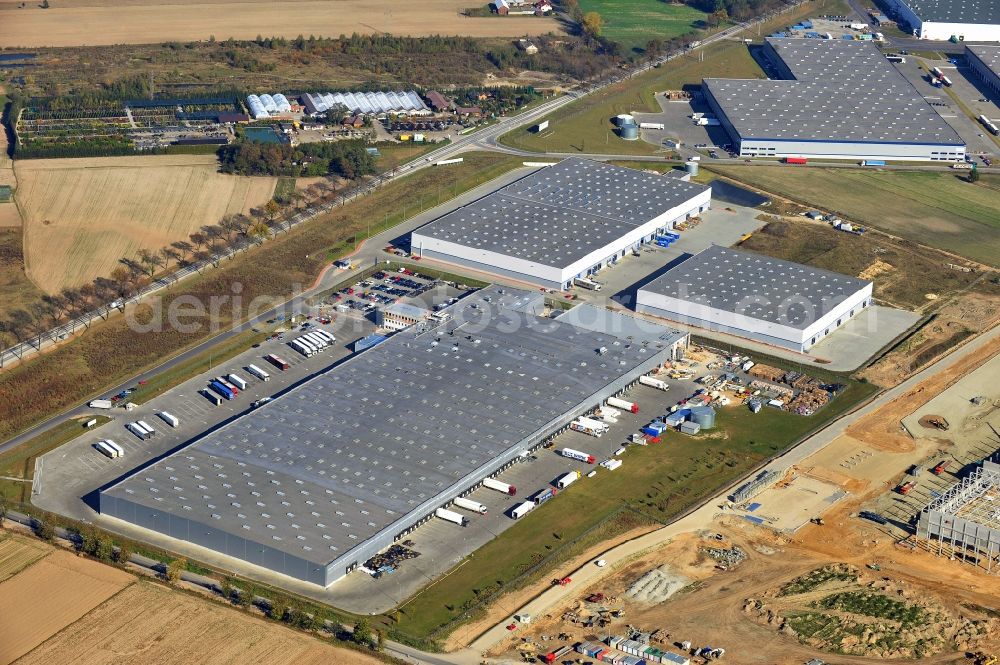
[755, 296]
[561, 222]
[985, 62]
[325, 476]
[836, 100]
[965, 20]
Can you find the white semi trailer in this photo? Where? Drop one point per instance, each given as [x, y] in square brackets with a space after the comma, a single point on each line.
[500, 486]
[452, 516]
[469, 504]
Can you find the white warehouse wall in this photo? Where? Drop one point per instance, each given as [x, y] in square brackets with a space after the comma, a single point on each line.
[852, 151]
[968, 31]
[789, 337]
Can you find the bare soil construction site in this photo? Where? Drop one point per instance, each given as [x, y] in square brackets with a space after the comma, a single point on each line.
[97, 22]
[778, 581]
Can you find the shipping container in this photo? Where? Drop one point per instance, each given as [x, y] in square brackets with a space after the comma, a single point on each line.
[796, 160]
[211, 397]
[521, 509]
[623, 404]
[558, 653]
[500, 486]
[277, 361]
[451, 516]
[469, 504]
[577, 455]
[568, 479]
[258, 372]
[169, 418]
[100, 404]
[238, 381]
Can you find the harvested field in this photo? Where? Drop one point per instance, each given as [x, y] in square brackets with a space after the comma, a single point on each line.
[82, 215]
[17, 553]
[148, 623]
[97, 22]
[50, 595]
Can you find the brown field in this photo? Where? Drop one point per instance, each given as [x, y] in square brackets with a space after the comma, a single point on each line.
[50, 595]
[97, 22]
[148, 623]
[17, 553]
[82, 215]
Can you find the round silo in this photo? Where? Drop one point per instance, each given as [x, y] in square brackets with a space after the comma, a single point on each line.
[629, 132]
[704, 416]
[623, 119]
[691, 168]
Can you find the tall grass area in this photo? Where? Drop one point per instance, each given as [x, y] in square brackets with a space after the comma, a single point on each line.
[660, 482]
[111, 352]
[932, 208]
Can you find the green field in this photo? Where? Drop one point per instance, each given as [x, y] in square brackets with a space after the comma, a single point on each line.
[661, 481]
[933, 208]
[632, 23]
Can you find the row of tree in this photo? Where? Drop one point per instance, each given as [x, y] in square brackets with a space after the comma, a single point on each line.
[105, 294]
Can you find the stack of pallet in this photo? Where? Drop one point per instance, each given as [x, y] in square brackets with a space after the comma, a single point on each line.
[809, 401]
[766, 372]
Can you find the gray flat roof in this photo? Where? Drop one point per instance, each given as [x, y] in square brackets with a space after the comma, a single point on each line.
[843, 91]
[989, 55]
[561, 213]
[756, 286]
[956, 11]
[332, 462]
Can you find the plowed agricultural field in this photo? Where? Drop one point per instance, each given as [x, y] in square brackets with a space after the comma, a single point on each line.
[101, 22]
[43, 599]
[82, 215]
[17, 553]
[150, 624]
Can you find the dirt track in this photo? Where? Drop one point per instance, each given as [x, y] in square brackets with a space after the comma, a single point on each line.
[84, 23]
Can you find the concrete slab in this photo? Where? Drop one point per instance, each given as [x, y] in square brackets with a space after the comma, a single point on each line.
[790, 507]
[862, 337]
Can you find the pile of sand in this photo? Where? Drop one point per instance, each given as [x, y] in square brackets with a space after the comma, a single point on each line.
[656, 586]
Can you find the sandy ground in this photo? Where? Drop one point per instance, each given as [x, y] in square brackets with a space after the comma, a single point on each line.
[149, 623]
[865, 463]
[17, 553]
[75, 23]
[83, 215]
[50, 595]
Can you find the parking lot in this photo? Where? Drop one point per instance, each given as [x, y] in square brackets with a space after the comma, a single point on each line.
[678, 125]
[67, 478]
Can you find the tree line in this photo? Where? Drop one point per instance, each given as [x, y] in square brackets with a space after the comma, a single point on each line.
[207, 245]
[348, 159]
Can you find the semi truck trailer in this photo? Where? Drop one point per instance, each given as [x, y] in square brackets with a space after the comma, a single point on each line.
[624, 404]
[107, 450]
[224, 381]
[238, 381]
[100, 404]
[544, 495]
[277, 361]
[564, 481]
[521, 509]
[577, 455]
[579, 426]
[222, 390]
[587, 283]
[143, 424]
[169, 418]
[139, 431]
[451, 516]
[653, 383]
[469, 504]
[500, 486]
[258, 372]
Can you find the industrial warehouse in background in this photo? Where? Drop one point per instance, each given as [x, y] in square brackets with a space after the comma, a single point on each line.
[837, 100]
[562, 223]
[756, 297]
[956, 20]
[320, 479]
[985, 62]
